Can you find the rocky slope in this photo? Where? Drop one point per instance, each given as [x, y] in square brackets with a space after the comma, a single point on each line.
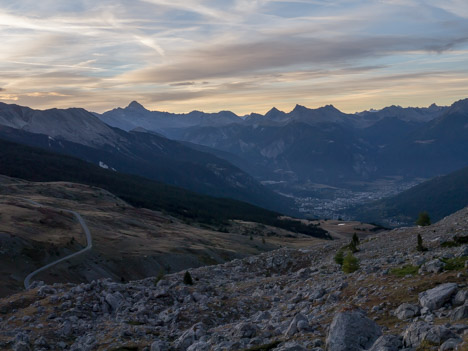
[289, 299]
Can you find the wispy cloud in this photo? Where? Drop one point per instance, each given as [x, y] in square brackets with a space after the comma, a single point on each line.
[244, 55]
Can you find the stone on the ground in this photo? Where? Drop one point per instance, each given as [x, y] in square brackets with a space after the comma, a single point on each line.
[435, 298]
[352, 330]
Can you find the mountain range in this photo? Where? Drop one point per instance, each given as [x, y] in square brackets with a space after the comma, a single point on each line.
[79, 133]
[321, 145]
[268, 160]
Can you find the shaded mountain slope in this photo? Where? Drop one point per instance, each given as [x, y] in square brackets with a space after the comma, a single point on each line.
[145, 154]
[38, 165]
[440, 197]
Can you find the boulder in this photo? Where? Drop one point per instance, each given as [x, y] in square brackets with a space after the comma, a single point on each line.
[415, 333]
[435, 298]
[407, 310]
[438, 334]
[245, 330]
[114, 300]
[434, 266]
[418, 332]
[297, 324]
[460, 298]
[159, 345]
[387, 343]
[352, 331]
[199, 346]
[460, 313]
[450, 344]
[190, 336]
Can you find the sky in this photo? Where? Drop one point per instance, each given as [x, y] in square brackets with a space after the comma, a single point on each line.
[240, 55]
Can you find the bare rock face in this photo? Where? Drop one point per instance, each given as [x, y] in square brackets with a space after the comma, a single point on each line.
[352, 331]
[435, 298]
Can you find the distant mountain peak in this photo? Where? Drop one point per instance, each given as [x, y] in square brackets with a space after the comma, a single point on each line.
[299, 108]
[135, 105]
[329, 108]
[460, 105]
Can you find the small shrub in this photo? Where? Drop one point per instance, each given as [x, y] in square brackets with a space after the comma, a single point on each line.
[339, 257]
[350, 263]
[404, 271]
[454, 264]
[159, 277]
[188, 278]
[457, 241]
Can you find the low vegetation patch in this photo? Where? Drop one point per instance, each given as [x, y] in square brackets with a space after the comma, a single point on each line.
[457, 241]
[404, 271]
[350, 263]
[454, 264]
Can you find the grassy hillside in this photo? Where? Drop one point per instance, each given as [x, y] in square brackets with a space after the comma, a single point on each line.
[440, 197]
[38, 165]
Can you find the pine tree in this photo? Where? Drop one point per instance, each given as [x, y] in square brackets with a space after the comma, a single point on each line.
[420, 246]
[423, 219]
[352, 246]
[188, 278]
[356, 239]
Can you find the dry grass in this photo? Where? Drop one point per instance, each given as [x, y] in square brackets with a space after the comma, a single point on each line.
[126, 240]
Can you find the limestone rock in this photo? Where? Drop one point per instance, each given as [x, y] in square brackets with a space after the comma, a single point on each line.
[387, 343]
[435, 298]
[406, 310]
[352, 331]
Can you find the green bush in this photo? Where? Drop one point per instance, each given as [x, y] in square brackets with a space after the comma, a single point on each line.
[457, 241]
[454, 264]
[350, 263]
[404, 271]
